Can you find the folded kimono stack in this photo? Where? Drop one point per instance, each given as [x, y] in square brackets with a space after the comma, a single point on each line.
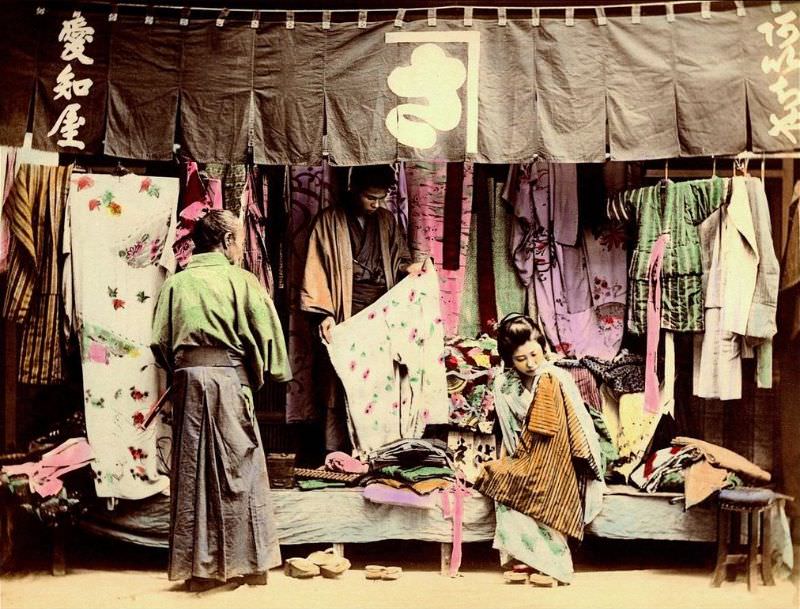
[409, 473]
[697, 468]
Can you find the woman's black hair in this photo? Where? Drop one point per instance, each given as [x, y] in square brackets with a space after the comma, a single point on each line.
[514, 331]
[371, 176]
[209, 232]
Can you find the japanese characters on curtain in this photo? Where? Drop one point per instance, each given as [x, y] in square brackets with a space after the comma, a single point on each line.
[117, 238]
[698, 84]
[71, 85]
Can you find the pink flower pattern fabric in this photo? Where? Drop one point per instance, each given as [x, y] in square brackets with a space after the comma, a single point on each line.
[117, 237]
[426, 185]
[390, 360]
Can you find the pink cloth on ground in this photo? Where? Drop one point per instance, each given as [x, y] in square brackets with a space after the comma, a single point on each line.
[44, 475]
[652, 396]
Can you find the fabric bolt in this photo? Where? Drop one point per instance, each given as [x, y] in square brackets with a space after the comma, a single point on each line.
[389, 359]
[427, 193]
[539, 479]
[256, 254]
[581, 312]
[310, 190]
[651, 392]
[380, 493]
[677, 209]
[411, 452]
[34, 211]
[651, 475]
[701, 480]
[116, 238]
[222, 523]
[198, 198]
[415, 474]
[44, 475]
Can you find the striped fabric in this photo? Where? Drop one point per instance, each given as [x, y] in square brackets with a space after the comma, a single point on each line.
[34, 211]
[677, 209]
[540, 479]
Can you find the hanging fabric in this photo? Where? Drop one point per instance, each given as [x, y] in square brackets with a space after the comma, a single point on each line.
[427, 192]
[256, 254]
[116, 237]
[311, 189]
[34, 210]
[198, 197]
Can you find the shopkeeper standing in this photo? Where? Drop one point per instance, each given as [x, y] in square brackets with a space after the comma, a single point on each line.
[217, 332]
[356, 253]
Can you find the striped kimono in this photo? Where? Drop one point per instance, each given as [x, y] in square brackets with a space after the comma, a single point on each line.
[540, 479]
[34, 211]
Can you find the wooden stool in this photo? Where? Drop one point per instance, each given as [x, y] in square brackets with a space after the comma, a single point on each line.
[757, 505]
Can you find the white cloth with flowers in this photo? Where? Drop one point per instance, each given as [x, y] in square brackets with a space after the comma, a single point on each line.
[117, 237]
[389, 358]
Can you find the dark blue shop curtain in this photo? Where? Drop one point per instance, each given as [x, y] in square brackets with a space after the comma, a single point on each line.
[651, 88]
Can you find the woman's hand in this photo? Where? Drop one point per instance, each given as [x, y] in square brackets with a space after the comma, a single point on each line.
[325, 329]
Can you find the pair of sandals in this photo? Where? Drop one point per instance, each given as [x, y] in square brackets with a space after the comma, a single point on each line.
[521, 574]
[380, 572]
[324, 563]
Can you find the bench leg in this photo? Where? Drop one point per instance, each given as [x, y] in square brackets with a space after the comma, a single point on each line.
[447, 551]
[6, 537]
[723, 524]
[752, 552]
[338, 549]
[59, 565]
[766, 547]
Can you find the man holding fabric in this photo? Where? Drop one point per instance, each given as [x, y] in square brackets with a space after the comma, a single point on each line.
[356, 253]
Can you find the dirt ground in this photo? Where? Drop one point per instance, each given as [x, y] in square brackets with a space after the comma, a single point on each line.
[614, 574]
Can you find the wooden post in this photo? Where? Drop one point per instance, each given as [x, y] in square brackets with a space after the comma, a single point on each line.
[10, 382]
[59, 558]
[446, 550]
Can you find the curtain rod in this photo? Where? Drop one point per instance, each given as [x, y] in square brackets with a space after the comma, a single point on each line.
[118, 6]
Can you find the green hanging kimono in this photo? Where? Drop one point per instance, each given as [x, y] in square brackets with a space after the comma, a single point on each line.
[676, 208]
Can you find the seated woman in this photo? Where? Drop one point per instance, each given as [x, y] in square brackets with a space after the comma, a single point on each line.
[547, 434]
